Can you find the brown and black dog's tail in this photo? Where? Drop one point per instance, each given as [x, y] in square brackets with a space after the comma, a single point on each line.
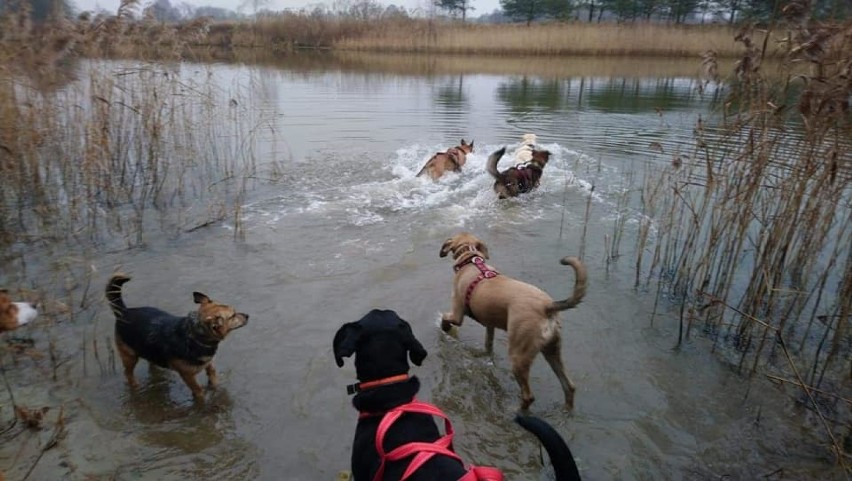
[491, 165]
[579, 286]
[113, 295]
[557, 450]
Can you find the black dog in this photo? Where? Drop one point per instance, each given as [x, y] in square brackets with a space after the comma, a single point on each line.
[185, 344]
[382, 343]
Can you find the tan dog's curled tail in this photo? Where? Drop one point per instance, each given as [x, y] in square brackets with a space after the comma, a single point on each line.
[113, 295]
[491, 165]
[579, 286]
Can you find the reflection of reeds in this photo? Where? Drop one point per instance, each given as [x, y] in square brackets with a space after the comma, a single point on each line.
[759, 217]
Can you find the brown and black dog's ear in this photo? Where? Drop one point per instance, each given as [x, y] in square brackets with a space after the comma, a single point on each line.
[200, 298]
[471, 146]
[541, 156]
[345, 341]
[416, 352]
[482, 248]
[445, 249]
[463, 142]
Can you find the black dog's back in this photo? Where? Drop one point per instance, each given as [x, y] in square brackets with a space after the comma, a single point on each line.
[159, 337]
[558, 451]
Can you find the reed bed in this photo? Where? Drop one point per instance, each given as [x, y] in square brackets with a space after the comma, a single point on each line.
[288, 31]
[93, 159]
[750, 232]
[549, 39]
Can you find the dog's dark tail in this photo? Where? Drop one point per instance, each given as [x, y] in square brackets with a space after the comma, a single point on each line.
[557, 450]
[113, 295]
[579, 286]
[491, 165]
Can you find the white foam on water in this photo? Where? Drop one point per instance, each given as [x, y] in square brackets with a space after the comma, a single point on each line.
[387, 189]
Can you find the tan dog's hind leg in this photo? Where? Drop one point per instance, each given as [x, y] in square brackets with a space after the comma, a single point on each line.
[553, 354]
[128, 360]
[489, 340]
[522, 352]
[212, 378]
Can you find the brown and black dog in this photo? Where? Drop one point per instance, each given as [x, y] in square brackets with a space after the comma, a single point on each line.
[519, 179]
[185, 344]
[15, 314]
[451, 160]
[528, 314]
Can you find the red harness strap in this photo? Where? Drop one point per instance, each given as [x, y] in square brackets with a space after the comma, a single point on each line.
[422, 451]
[484, 273]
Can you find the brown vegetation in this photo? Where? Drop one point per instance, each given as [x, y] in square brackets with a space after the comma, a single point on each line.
[754, 225]
[405, 35]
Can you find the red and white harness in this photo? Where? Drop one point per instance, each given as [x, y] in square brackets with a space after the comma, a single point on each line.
[421, 452]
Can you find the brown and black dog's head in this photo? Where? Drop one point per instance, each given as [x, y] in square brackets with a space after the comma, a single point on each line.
[464, 244]
[519, 179]
[217, 319]
[382, 343]
[15, 314]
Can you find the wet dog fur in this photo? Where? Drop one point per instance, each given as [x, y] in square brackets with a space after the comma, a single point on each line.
[528, 314]
[185, 344]
[450, 161]
[15, 314]
[382, 344]
[521, 178]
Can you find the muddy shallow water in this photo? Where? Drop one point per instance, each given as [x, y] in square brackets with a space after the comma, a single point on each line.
[344, 227]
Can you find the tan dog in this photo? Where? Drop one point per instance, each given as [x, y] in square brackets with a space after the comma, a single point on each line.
[528, 314]
[451, 160]
[15, 314]
[185, 344]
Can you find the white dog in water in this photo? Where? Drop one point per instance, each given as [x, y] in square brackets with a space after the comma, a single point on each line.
[523, 153]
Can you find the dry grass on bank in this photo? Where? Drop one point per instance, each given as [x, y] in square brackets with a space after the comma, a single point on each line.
[288, 31]
[550, 39]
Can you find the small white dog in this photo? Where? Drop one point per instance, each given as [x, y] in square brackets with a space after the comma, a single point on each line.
[523, 153]
[15, 314]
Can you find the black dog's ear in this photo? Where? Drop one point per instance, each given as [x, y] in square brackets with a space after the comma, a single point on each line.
[416, 352]
[345, 341]
[200, 298]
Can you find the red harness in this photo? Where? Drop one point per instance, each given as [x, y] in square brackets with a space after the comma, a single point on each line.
[484, 273]
[423, 451]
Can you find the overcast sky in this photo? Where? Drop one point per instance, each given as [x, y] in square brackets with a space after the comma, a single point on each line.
[481, 6]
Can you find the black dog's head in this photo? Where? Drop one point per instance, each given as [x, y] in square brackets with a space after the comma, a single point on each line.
[382, 342]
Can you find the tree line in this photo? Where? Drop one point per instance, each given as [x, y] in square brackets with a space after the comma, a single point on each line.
[670, 11]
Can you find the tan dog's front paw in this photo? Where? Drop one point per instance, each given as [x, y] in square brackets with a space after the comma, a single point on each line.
[447, 322]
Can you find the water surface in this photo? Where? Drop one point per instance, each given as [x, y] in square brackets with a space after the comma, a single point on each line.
[344, 226]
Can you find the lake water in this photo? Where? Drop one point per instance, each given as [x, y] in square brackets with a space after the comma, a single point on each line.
[336, 223]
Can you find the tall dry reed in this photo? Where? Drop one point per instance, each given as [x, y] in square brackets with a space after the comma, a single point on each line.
[753, 231]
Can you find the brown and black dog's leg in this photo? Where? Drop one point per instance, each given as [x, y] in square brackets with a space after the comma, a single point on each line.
[187, 373]
[212, 378]
[553, 354]
[129, 358]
